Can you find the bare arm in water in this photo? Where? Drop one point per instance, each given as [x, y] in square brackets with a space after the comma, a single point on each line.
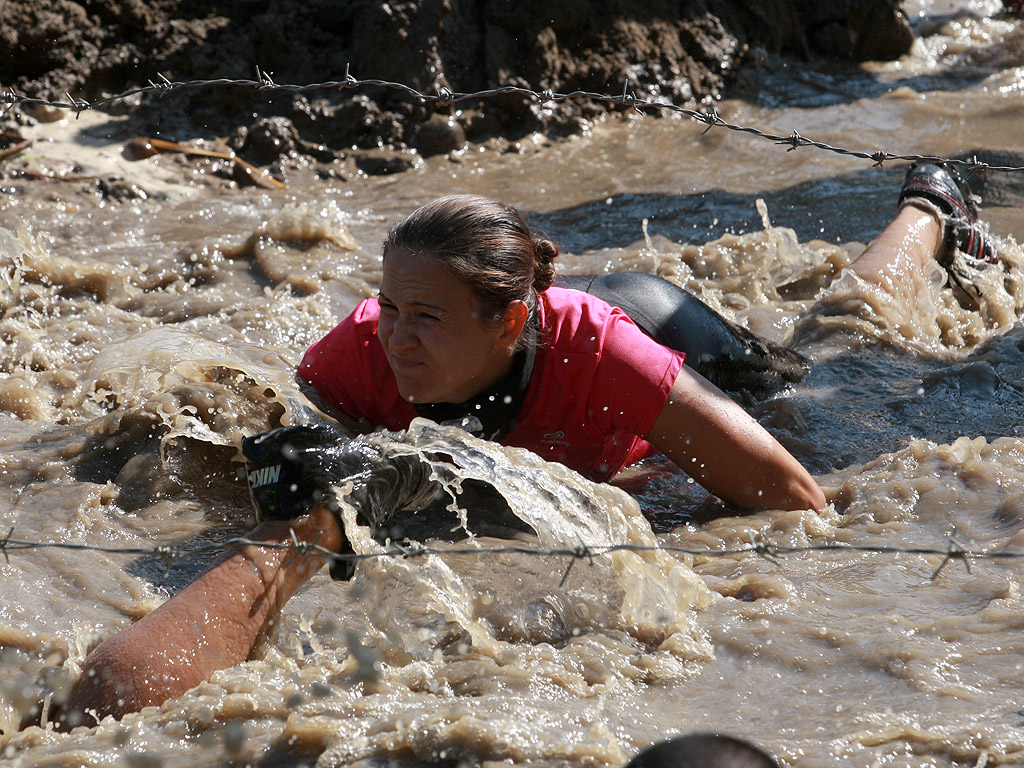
[713, 439]
[212, 624]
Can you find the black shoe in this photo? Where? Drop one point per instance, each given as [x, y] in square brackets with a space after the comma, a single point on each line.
[965, 248]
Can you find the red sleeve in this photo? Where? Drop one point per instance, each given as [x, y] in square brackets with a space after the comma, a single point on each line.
[633, 378]
[348, 370]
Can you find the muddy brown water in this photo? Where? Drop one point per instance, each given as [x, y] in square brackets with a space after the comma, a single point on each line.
[141, 340]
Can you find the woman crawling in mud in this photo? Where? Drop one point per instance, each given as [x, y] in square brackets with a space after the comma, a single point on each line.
[471, 327]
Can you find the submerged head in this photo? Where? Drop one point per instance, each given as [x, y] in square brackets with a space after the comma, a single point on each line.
[462, 276]
[703, 750]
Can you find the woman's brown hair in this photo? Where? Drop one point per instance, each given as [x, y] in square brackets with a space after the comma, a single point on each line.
[484, 243]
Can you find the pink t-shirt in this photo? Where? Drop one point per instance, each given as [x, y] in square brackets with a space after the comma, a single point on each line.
[598, 385]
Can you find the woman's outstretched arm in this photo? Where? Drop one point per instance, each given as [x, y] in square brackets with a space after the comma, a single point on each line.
[727, 451]
[212, 624]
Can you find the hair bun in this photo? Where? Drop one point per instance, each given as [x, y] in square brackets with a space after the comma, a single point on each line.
[545, 253]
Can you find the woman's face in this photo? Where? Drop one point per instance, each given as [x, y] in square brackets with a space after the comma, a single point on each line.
[437, 343]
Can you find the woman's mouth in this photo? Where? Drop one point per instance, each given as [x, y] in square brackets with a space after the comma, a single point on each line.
[405, 363]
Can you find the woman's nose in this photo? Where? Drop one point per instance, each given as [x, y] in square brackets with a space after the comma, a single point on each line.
[402, 335]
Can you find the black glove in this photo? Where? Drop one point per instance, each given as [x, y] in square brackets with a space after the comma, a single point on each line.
[293, 469]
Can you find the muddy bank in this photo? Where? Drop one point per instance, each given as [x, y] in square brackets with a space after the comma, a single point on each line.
[682, 52]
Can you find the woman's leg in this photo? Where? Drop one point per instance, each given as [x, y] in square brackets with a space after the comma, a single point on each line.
[936, 222]
[902, 253]
[728, 355]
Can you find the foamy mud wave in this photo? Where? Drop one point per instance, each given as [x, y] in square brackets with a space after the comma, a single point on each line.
[297, 246]
[762, 280]
[930, 319]
[70, 329]
[652, 597]
[206, 390]
[891, 621]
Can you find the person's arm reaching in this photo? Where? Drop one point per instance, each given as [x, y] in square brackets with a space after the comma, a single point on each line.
[722, 447]
[216, 621]
[212, 624]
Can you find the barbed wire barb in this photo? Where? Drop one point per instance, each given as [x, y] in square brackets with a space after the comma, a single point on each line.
[350, 81]
[162, 86]
[445, 96]
[167, 555]
[711, 117]
[405, 551]
[794, 140]
[77, 106]
[578, 553]
[265, 80]
[975, 165]
[301, 547]
[766, 550]
[627, 98]
[3, 545]
[955, 552]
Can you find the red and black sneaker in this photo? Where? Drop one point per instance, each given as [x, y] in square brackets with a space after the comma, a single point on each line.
[965, 247]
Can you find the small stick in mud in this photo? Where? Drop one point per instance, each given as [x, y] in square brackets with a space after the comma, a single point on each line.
[140, 148]
[15, 149]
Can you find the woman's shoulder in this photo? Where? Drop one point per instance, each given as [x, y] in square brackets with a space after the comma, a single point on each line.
[566, 305]
[366, 311]
[573, 317]
[350, 336]
[361, 321]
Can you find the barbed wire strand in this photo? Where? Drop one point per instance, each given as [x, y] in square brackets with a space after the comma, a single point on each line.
[768, 550]
[162, 86]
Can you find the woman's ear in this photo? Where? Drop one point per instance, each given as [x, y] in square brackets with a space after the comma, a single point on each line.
[513, 320]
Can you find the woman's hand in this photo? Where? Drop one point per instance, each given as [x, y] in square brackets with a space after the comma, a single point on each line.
[722, 447]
